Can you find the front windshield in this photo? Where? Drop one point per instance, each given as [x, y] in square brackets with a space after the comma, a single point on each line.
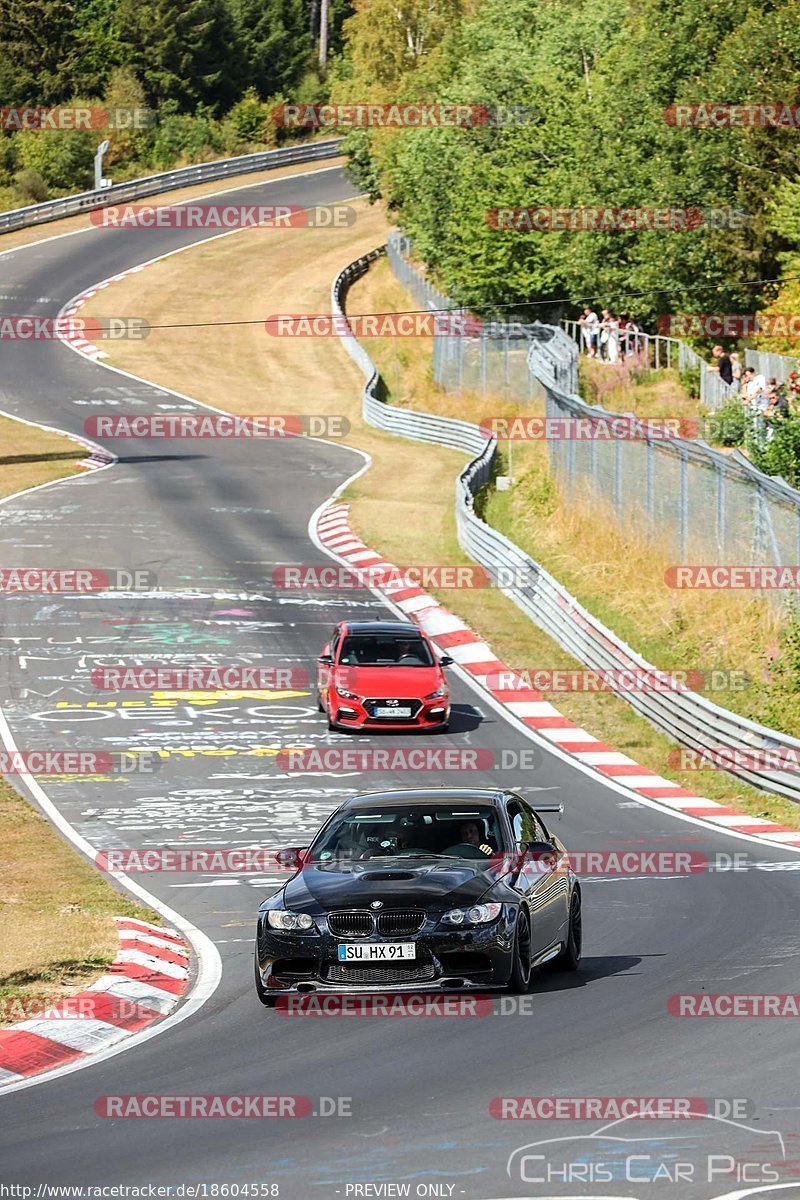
[438, 831]
[383, 650]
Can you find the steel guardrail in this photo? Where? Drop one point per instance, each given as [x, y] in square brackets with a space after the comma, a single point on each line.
[688, 718]
[165, 181]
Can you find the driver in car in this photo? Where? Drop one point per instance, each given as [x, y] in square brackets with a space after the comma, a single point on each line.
[472, 834]
[407, 654]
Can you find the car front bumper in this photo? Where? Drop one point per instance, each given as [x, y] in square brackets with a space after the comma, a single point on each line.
[446, 960]
[351, 714]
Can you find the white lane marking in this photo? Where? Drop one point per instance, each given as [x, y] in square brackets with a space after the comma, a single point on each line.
[471, 653]
[208, 883]
[86, 1035]
[135, 990]
[569, 735]
[533, 708]
[140, 936]
[159, 965]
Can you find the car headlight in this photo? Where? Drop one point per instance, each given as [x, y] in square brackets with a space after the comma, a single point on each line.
[440, 691]
[280, 918]
[479, 914]
[343, 692]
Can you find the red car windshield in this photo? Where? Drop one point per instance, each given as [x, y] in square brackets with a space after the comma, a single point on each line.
[385, 651]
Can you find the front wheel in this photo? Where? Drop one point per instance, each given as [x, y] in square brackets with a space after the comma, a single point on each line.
[520, 979]
[570, 957]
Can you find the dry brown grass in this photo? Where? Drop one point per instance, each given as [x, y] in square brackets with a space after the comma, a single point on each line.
[55, 909]
[30, 456]
[242, 369]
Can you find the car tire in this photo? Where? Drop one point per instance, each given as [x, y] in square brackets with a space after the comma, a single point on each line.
[521, 970]
[570, 957]
[267, 1001]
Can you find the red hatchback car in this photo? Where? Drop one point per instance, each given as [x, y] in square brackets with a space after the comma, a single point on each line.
[382, 674]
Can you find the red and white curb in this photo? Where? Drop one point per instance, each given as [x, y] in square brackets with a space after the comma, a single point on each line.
[477, 659]
[150, 974]
[82, 344]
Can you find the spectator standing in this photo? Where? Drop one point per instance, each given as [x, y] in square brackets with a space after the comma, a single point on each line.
[604, 335]
[736, 372]
[754, 390]
[592, 324]
[612, 345]
[586, 331]
[724, 365]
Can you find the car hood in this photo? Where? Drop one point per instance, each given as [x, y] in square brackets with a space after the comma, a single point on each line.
[397, 882]
[398, 682]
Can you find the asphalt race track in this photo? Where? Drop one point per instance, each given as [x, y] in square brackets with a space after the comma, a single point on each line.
[212, 518]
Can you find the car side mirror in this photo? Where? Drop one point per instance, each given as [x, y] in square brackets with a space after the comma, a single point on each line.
[444, 661]
[326, 660]
[543, 855]
[291, 858]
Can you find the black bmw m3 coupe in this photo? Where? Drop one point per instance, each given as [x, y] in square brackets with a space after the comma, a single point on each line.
[431, 890]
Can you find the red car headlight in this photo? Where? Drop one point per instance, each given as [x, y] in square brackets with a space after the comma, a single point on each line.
[439, 694]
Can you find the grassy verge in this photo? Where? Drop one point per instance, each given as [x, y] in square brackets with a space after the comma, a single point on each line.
[55, 908]
[244, 370]
[629, 387]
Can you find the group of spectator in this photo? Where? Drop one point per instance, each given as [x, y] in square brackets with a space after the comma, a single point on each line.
[608, 338]
[761, 396]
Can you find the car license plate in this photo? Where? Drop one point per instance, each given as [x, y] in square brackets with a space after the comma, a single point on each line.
[376, 952]
[382, 711]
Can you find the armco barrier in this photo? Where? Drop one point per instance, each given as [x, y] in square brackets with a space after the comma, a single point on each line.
[166, 181]
[687, 717]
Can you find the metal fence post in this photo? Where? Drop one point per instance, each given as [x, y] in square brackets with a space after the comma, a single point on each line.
[720, 509]
[684, 504]
[650, 480]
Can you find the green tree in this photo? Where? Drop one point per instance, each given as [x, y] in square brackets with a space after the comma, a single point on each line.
[185, 51]
[37, 51]
[275, 43]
